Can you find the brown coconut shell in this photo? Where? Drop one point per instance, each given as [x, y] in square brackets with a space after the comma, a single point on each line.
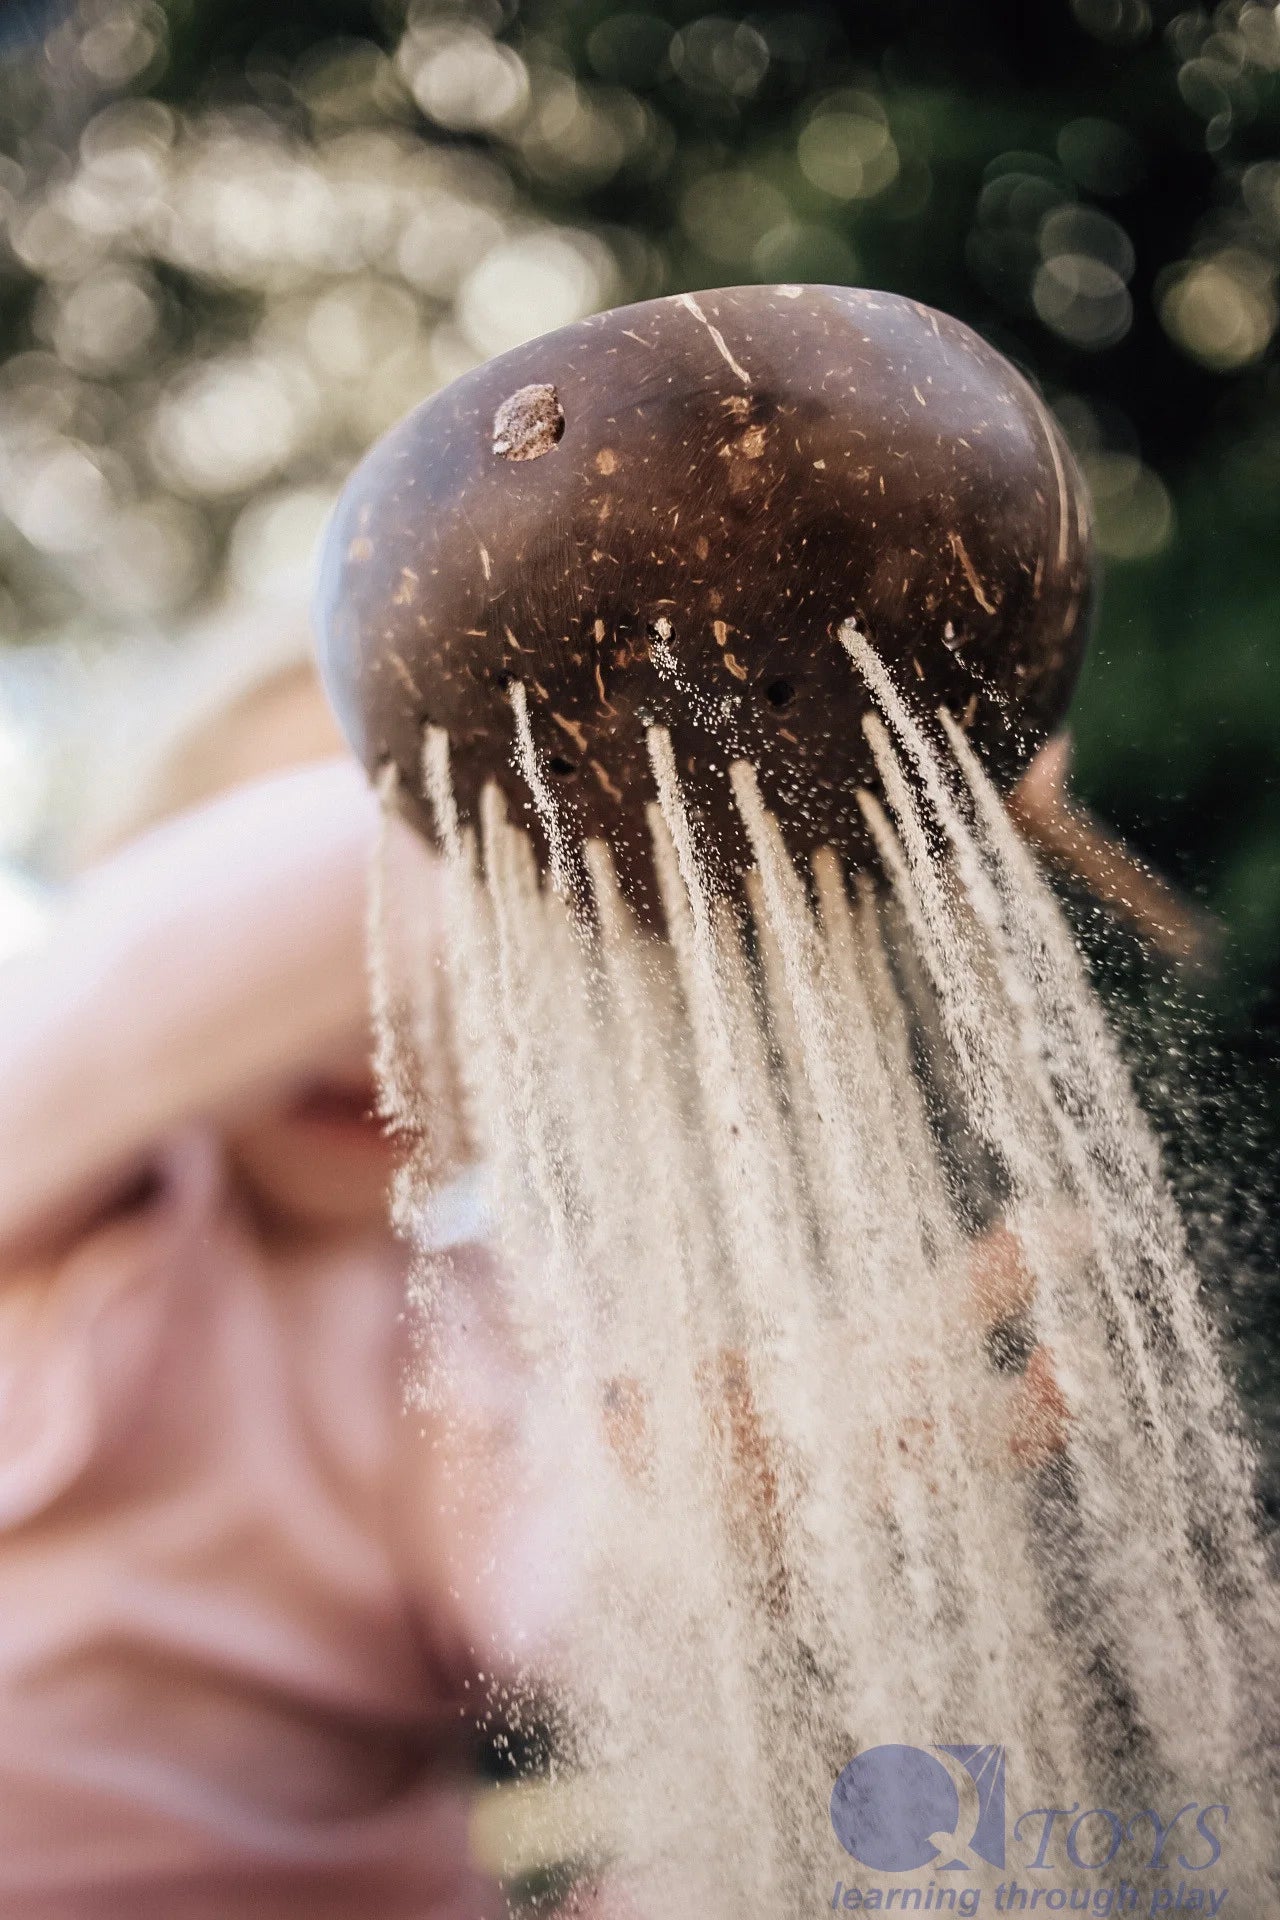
[664, 514]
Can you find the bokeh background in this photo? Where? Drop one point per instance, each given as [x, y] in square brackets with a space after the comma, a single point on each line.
[238, 240]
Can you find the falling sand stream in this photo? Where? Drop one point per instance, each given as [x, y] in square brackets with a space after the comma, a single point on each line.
[855, 1306]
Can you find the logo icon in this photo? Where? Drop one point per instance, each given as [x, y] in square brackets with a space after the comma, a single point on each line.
[890, 1805]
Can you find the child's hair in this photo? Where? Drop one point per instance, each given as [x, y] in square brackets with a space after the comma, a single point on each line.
[160, 729]
[199, 763]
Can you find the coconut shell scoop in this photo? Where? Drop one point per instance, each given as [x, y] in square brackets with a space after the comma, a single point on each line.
[665, 513]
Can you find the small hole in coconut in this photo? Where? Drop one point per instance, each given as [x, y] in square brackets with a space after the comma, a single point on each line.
[558, 764]
[502, 680]
[779, 693]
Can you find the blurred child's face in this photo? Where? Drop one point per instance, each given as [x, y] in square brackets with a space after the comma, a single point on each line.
[318, 1156]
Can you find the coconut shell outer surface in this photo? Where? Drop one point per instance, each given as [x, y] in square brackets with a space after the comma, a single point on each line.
[664, 513]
